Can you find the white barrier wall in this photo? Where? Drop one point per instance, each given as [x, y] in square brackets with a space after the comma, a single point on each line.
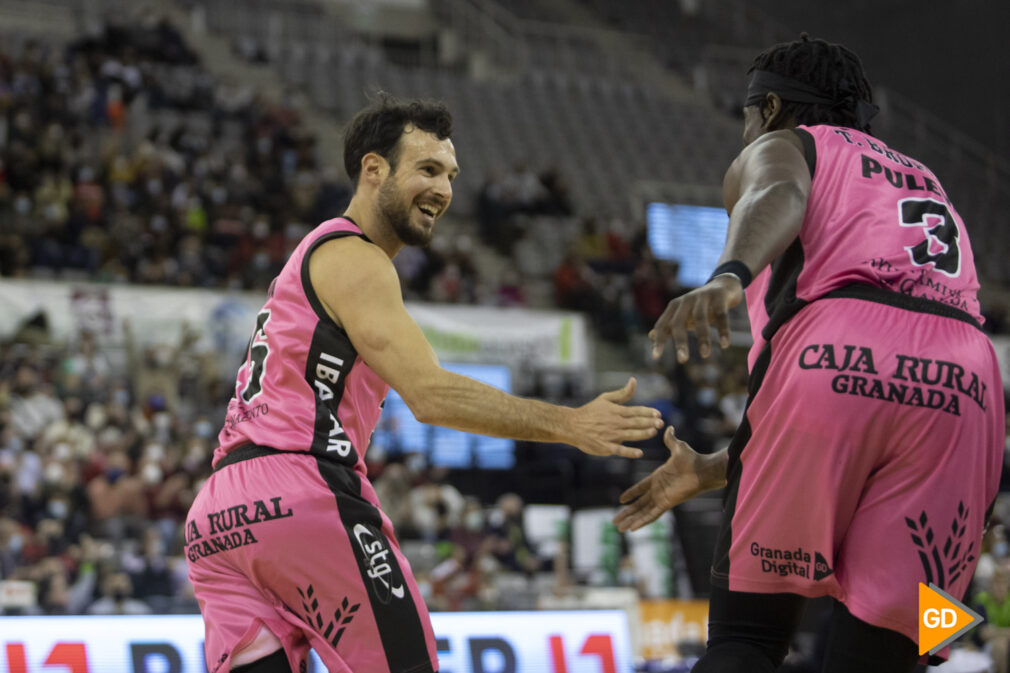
[481, 642]
[225, 321]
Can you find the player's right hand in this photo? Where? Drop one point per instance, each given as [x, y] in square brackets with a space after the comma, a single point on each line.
[680, 478]
[601, 427]
[696, 312]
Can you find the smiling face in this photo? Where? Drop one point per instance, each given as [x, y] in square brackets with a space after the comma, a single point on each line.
[419, 188]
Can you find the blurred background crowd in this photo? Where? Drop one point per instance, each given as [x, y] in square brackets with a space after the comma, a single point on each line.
[125, 159]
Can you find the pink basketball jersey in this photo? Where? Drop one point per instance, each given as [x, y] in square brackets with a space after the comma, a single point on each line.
[874, 217]
[303, 386]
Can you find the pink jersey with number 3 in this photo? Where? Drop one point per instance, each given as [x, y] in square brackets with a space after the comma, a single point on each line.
[874, 217]
[303, 386]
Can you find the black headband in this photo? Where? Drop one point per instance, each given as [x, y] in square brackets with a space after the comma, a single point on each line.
[763, 82]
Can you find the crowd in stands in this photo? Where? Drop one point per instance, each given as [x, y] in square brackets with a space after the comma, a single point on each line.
[123, 160]
[102, 450]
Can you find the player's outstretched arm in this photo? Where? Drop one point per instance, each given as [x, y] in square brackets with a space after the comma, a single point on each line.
[358, 286]
[684, 475]
[765, 191]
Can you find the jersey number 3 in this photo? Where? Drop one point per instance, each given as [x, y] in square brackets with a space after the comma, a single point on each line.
[941, 247]
[256, 358]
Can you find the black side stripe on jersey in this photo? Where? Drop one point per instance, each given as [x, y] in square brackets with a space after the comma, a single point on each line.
[307, 288]
[781, 302]
[734, 473]
[396, 618]
[327, 366]
[809, 149]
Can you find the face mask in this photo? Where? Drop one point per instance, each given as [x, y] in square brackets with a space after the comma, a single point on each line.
[157, 547]
[415, 462]
[706, 396]
[162, 421]
[203, 429]
[57, 509]
[154, 452]
[474, 520]
[54, 473]
[113, 474]
[151, 474]
[1000, 549]
[15, 543]
[163, 357]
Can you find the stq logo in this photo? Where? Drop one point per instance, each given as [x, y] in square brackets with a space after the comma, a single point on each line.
[381, 568]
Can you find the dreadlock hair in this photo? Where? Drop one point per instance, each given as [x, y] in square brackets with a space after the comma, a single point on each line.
[378, 128]
[832, 68]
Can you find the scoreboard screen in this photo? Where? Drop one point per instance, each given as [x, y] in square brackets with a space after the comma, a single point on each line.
[692, 236]
[399, 432]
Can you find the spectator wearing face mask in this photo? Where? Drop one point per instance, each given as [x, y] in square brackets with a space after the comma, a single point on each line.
[117, 597]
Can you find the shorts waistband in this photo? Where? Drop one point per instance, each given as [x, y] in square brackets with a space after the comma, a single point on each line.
[250, 451]
[898, 300]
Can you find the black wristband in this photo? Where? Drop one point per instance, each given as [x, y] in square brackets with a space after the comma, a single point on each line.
[735, 267]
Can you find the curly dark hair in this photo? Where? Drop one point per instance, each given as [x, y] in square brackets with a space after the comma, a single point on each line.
[378, 128]
[832, 68]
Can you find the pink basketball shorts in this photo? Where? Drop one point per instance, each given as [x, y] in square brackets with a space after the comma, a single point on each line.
[286, 540]
[870, 453]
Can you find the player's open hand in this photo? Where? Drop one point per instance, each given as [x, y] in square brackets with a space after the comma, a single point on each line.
[601, 427]
[698, 311]
[681, 477]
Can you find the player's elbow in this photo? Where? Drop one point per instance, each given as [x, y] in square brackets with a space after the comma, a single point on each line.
[424, 412]
[786, 193]
[422, 403]
[781, 204]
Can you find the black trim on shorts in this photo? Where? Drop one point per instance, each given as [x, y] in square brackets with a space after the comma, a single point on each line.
[396, 618]
[734, 472]
[898, 300]
[809, 149]
[248, 452]
[348, 482]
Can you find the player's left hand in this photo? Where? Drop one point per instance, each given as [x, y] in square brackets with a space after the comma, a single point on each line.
[697, 311]
[681, 477]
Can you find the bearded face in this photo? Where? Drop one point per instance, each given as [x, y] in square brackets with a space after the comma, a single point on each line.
[403, 214]
[418, 187]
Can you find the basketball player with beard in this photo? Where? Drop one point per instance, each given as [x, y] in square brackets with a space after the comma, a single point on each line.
[286, 543]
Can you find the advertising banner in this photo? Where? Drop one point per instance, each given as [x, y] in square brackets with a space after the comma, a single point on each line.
[225, 320]
[484, 642]
[666, 623]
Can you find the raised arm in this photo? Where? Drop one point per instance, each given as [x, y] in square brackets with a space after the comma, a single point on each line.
[765, 192]
[358, 286]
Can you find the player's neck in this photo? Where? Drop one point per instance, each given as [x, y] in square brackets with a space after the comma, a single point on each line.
[362, 211]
